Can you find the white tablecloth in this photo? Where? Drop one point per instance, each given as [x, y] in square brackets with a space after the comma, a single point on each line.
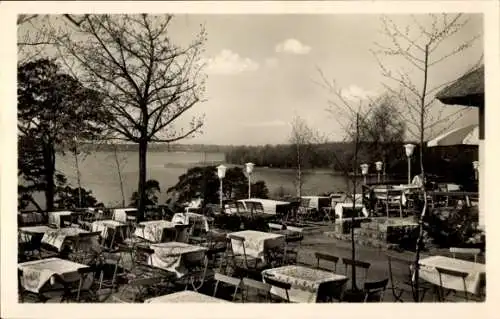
[200, 221]
[55, 217]
[256, 242]
[474, 281]
[28, 231]
[185, 296]
[57, 237]
[37, 273]
[340, 207]
[172, 256]
[154, 230]
[121, 214]
[305, 282]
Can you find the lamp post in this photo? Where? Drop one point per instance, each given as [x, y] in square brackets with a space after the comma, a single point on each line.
[249, 167]
[475, 165]
[221, 173]
[378, 167]
[409, 152]
[364, 171]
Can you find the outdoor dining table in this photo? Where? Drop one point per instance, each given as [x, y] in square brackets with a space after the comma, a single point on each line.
[474, 281]
[307, 284]
[55, 217]
[185, 296]
[157, 231]
[173, 256]
[256, 242]
[103, 227]
[27, 233]
[58, 237]
[188, 218]
[37, 274]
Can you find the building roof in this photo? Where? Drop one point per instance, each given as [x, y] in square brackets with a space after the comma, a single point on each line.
[467, 90]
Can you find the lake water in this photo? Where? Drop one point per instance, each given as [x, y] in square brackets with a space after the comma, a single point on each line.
[99, 173]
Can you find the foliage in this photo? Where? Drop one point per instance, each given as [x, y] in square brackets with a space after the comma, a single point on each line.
[203, 182]
[68, 197]
[149, 82]
[382, 134]
[53, 110]
[152, 189]
[451, 227]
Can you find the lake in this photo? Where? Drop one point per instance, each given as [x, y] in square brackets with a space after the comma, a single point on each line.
[99, 173]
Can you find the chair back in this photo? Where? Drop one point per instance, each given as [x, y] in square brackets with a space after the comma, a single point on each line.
[278, 284]
[235, 282]
[452, 273]
[328, 258]
[356, 263]
[374, 291]
[465, 251]
[261, 287]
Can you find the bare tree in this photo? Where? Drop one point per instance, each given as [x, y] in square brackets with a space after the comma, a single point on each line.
[421, 46]
[350, 116]
[301, 137]
[149, 82]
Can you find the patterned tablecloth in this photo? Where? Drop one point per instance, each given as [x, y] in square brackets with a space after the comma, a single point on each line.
[57, 237]
[200, 221]
[55, 217]
[474, 281]
[155, 230]
[185, 296]
[37, 273]
[306, 282]
[172, 256]
[256, 242]
[26, 233]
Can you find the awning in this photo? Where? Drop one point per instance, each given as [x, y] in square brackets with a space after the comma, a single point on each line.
[467, 135]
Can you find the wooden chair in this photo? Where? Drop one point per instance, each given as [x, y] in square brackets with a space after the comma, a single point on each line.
[327, 258]
[110, 259]
[231, 281]
[262, 288]
[279, 284]
[90, 293]
[455, 274]
[398, 288]
[465, 252]
[356, 263]
[374, 291]
[241, 261]
[292, 245]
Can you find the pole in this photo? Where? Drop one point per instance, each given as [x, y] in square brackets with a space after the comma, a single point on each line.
[220, 195]
[364, 179]
[78, 178]
[249, 186]
[378, 177]
[409, 170]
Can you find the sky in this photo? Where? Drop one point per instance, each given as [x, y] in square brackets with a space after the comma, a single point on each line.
[262, 70]
[266, 70]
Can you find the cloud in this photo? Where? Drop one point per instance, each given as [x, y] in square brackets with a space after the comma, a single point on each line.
[229, 62]
[271, 62]
[266, 124]
[355, 93]
[292, 46]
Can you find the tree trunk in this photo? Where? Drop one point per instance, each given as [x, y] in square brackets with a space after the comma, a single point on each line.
[422, 172]
[119, 174]
[355, 165]
[50, 169]
[141, 207]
